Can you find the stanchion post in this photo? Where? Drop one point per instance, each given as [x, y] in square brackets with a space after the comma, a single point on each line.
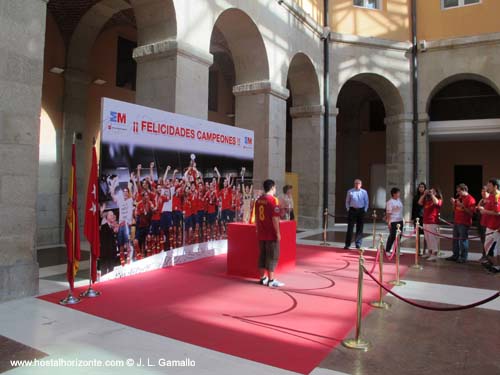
[438, 229]
[90, 292]
[374, 216]
[325, 227]
[357, 342]
[417, 266]
[398, 282]
[380, 304]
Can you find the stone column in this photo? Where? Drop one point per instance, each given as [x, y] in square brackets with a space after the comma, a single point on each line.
[332, 163]
[22, 26]
[173, 76]
[423, 148]
[307, 162]
[399, 158]
[76, 88]
[261, 107]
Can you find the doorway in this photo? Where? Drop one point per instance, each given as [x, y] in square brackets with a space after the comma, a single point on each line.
[472, 176]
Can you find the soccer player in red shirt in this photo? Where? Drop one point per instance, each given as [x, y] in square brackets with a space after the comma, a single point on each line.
[492, 210]
[211, 205]
[464, 206]
[267, 218]
[226, 195]
[143, 213]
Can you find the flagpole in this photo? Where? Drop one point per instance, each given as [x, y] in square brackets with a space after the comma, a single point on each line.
[71, 299]
[90, 292]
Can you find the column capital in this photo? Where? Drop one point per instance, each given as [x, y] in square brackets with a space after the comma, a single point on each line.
[307, 111]
[423, 117]
[169, 48]
[398, 119]
[261, 87]
[334, 111]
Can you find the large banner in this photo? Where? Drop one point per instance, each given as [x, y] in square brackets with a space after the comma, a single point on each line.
[168, 181]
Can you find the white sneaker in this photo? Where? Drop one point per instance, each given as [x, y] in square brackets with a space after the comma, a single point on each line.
[264, 281]
[275, 283]
[433, 258]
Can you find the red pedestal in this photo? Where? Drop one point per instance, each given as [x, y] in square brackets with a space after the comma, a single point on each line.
[243, 249]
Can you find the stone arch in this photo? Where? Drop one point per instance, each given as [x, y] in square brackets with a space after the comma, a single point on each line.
[259, 104]
[246, 44]
[456, 78]
[303, 81]
[386, 90]
[304, 135]
[155, 20]
[377, 142]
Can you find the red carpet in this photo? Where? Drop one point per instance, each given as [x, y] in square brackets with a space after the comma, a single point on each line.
[293, 328]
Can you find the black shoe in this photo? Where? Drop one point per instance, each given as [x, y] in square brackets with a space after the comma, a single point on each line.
[461, 260]
[452, 258]
[494, 269]
[346, 247]
[487, 264]
[358, 247]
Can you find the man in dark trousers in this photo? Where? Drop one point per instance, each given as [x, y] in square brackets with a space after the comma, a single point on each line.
[267, 220]
[356, 203]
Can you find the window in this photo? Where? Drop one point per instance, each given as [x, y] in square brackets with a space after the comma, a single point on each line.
[213, 92]
[370, 4]
[446, 4]
[126, 67]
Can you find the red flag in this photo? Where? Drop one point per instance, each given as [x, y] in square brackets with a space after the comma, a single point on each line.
[71, 230]
[91, 228]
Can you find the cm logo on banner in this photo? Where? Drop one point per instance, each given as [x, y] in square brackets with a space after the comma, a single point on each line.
[118, 117]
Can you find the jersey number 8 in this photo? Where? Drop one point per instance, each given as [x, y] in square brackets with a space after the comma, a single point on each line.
[262, 215]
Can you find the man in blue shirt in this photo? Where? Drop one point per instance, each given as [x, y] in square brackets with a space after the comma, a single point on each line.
[356, 203]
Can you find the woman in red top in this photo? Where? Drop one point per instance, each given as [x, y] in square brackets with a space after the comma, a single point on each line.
[432, 201]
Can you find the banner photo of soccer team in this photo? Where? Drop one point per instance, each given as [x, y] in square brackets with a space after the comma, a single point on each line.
[167, 181]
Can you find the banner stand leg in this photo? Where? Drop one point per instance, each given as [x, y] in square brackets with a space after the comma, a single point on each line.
[70, 299]
[90, 293]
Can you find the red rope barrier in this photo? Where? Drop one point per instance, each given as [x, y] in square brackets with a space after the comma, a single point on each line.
[453, 238]
[433, 308]
[409, 235]
[377, 258]
[394, 251]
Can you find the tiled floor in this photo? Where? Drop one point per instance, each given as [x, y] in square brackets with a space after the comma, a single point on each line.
[406, 340]
[11, 350]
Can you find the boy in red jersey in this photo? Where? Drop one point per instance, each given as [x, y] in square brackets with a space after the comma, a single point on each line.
[492, 210]
[267, 218]
[464, 206]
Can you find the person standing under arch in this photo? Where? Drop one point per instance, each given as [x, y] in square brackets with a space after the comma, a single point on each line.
[394, 216]
[356, 204]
